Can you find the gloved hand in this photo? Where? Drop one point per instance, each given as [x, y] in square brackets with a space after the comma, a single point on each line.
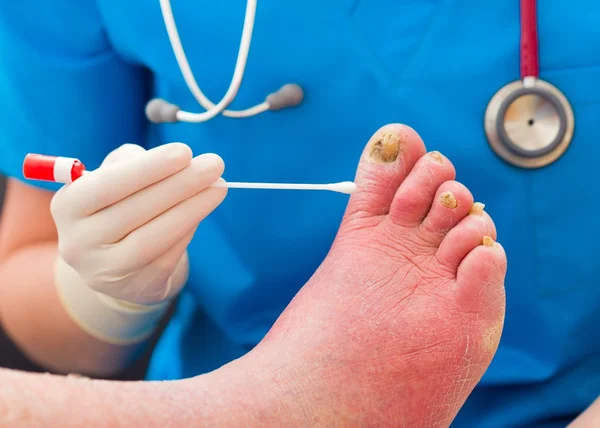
[123, 229]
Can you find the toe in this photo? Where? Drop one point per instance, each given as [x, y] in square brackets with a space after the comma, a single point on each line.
[386, 161]
[415, 196]
[485, 264]
[472, 231]
[485, 269]
[451, 204]
[479, 288]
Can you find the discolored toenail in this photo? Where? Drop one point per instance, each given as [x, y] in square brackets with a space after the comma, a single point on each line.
[477, 208]
[448, 200]
[386, 148]
[437, 156]
[488, 241]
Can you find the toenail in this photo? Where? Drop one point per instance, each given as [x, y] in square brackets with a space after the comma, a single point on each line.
[448, 200]
[437, 156]
[488, 241]
[386, 148]
[477, 208]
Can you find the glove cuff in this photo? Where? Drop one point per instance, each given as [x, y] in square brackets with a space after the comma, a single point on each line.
[105, 318]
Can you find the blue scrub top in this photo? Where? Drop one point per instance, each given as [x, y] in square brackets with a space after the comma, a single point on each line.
[75, 76]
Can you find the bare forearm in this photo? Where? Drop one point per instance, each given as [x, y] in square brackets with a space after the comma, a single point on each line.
[32, 400]
[246, 392]
[34, 318]
[589, 418]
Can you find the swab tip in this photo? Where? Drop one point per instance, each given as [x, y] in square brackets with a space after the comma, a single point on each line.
[346, 187]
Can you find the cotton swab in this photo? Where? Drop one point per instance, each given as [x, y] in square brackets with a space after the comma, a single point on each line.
[60, 169]
[346, 187]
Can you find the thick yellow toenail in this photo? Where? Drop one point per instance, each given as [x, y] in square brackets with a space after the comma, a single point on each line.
[386, 148]
[437, 156]
[477, 208]
[448, 200]
[488, 241]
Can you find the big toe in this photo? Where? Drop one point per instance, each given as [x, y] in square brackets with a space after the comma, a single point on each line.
[388, 158]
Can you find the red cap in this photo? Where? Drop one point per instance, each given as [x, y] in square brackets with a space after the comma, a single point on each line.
[52, 168]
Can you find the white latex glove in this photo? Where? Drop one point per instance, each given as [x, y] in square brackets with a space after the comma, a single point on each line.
[123, 231]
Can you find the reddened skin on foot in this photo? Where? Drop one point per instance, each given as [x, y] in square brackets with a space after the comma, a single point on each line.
[409, 278]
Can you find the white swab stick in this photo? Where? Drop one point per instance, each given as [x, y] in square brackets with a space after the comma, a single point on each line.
[66, 170]
[346, 187]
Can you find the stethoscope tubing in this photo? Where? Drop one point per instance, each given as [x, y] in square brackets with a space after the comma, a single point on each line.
[161, 111]
[529, 40]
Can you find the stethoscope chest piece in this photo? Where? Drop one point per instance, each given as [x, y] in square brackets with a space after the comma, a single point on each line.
[529, 123]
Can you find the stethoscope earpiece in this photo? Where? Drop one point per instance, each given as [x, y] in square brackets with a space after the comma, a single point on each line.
[290, 95]
[161, 111]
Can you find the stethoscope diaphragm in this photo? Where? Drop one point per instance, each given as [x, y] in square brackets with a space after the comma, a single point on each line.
[529, 123]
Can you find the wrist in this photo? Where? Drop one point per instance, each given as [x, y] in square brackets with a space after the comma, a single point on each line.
[103, 317]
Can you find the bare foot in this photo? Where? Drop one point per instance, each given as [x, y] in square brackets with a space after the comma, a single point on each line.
[398, 324]
[405, 314]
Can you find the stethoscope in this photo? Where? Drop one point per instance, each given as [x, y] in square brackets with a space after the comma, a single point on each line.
[159, 110]
[528, 123]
